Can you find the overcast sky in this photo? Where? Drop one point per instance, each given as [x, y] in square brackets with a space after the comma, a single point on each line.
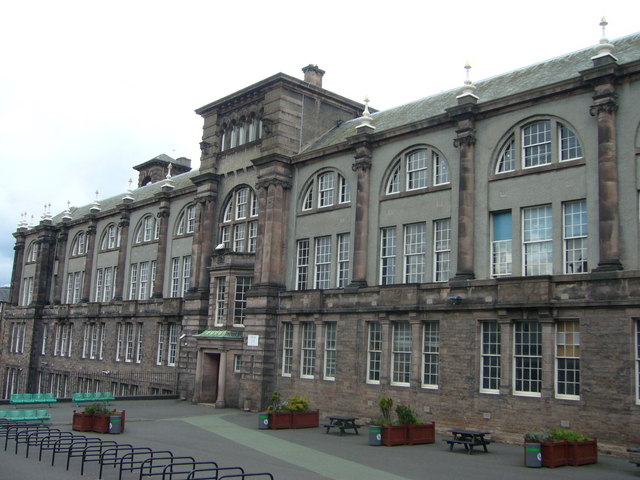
[89, 89]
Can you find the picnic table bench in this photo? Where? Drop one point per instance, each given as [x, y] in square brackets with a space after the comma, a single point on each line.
[26, 415]
[468, 438]
[32, 398]
[342, 423]
[79, 398]
[635, 461]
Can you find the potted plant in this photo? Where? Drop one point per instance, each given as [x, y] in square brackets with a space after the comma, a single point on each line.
[295, 413]
[581, 449]
[417, 432]
[301, 414]
[554, 450]
[101, 418]
[532, 448]
[279, 416]
[392, 434]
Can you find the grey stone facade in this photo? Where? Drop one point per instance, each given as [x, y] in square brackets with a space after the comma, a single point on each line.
[472, 254]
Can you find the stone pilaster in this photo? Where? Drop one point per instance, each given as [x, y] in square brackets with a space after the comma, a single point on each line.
[44, 264]
[18, 263]
[88, 265]
[161, 259]
[272, 228]
[122, 255]
[465, 141]
[362, 167]
[61, 256]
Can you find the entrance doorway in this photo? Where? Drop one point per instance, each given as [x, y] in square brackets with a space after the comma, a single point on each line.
[209, 378]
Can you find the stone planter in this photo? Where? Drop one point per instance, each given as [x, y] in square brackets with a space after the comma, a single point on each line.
[583, 453]
[422, 433]
[555, 454]
[394, 435]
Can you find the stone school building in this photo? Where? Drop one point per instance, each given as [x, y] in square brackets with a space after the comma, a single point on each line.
[473, 254]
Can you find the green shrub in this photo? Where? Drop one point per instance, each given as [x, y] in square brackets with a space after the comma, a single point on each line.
[385, 404]
[298, 404]
[557, 434]
[406, 416]
[97, 409]
[536, 437]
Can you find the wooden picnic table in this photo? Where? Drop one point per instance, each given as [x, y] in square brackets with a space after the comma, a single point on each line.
[469, 438]
[342, 423]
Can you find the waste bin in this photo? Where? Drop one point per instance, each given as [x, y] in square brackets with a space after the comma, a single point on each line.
[532, 455]
[115, 424]
[263, 421]
[375, 435]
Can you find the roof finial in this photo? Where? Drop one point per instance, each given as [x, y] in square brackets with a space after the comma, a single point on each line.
[168, 183]
[604, 47]
[95, 208]
[366, 117]
[469, 88]
[128, 198]
[23, 220]
[169, 170]
[67, 214]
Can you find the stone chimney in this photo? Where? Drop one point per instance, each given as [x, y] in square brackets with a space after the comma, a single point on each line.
[313, 75]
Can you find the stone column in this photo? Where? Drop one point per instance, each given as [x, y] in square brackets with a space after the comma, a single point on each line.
[222, 379]
[548, 355]
[604, 109]
[61, 256]
[362, 167]
[161, 258]
[88, 265]
[122, 255]
[506, 354]
[18, 263]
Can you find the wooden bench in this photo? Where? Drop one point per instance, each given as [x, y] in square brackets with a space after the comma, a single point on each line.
[342, 423]
[26, 415]
[32, 398]
[79, 398]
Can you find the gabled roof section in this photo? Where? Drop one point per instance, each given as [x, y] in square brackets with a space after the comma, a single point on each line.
[555, 70]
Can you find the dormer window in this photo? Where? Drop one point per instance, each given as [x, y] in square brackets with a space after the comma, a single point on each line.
[538, 143]
[330, 188]
[416, 170]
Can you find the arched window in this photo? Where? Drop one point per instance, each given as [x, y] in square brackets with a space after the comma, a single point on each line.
[111, 237]
[186, 223]
[235, 133]
[329, 188]
[32, 252]
[538, 143]
[148, 230]
[417, 169]
[239, 224]
[79, 245]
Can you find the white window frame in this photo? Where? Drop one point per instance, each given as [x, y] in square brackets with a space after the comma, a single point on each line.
[575, 237]
[415, 250]
[322, 263]
[442, 250]
[287, 349]
[330, 354]
[567, 361]
[308, 350]
[526, 354]
[388, 252]
[490, 357]
[302, 264]
[221, 301]
[343, 259]
[431, 354]
[374, 352]
[537, 240]
[401, 354]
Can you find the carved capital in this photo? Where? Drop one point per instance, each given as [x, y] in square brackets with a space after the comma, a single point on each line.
[204, 148]
[609, 106]
[361, 165]
[277, 182]
[466, 140]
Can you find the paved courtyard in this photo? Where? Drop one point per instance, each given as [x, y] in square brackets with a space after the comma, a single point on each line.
[231, 438]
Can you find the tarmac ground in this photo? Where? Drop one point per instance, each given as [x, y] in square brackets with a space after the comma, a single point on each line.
[231, 437]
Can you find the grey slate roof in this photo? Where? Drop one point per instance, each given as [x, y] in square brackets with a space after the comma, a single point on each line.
[566, 67]
[142, 193]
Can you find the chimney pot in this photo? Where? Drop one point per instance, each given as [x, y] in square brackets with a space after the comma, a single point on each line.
[313, 75]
